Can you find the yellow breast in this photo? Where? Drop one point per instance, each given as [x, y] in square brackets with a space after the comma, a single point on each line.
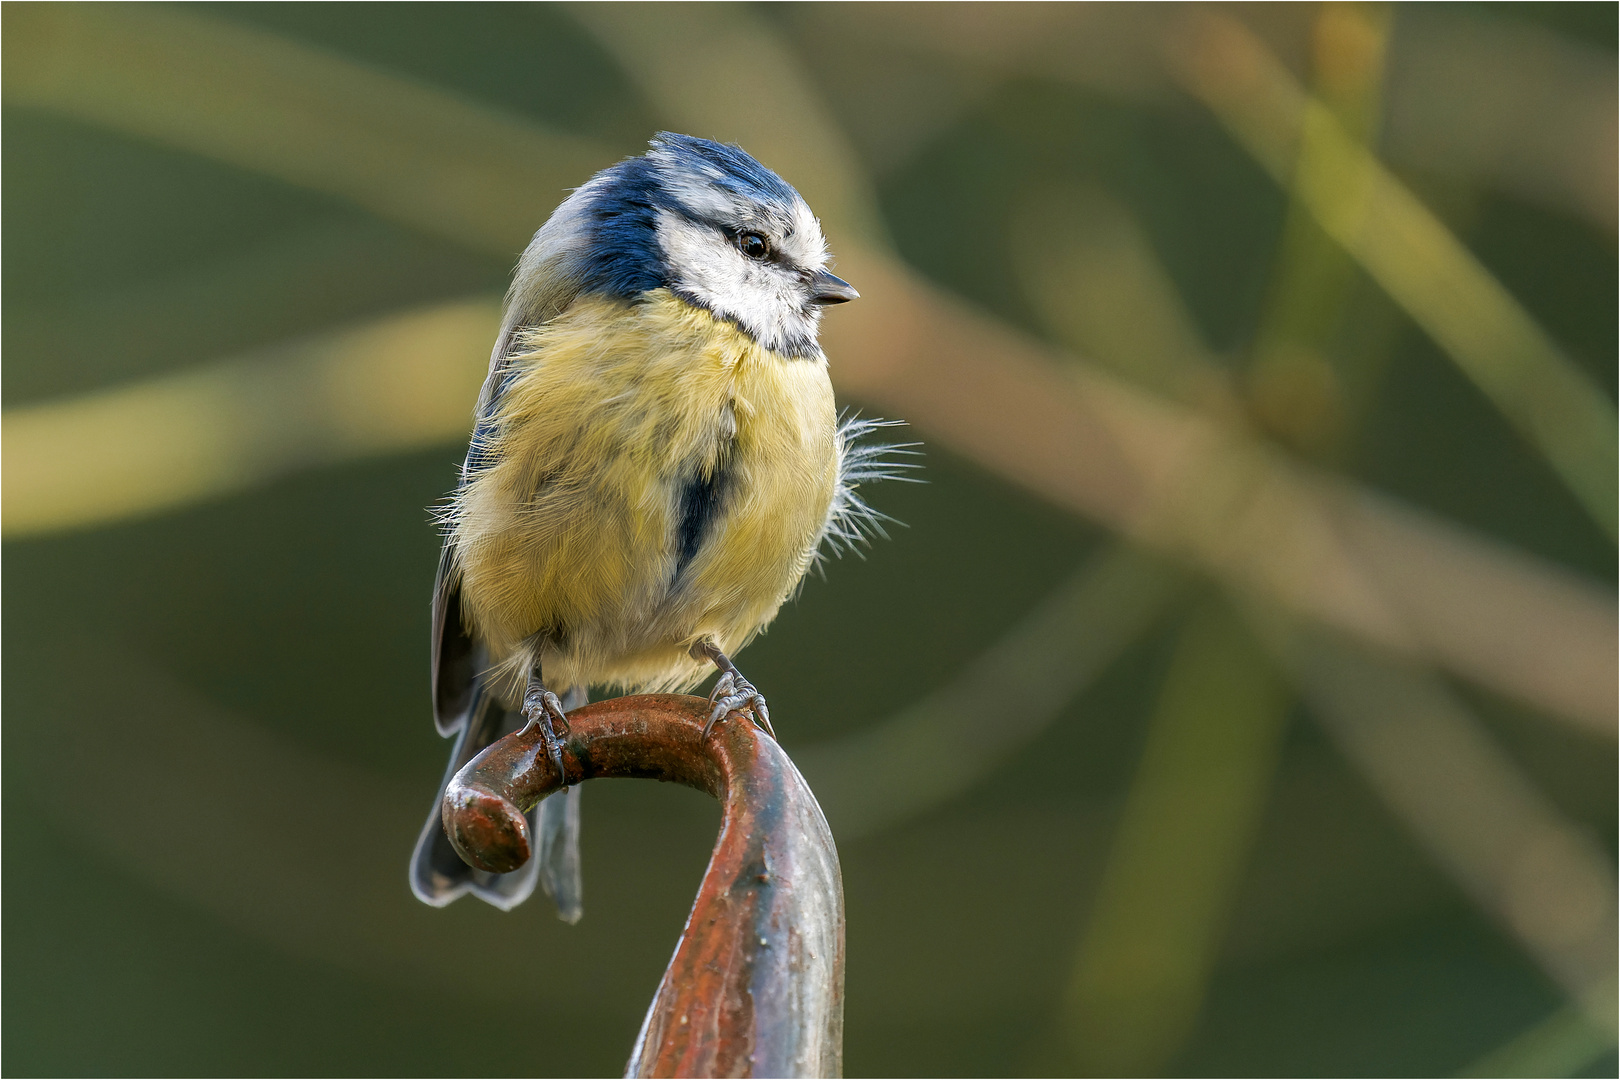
[569, 543]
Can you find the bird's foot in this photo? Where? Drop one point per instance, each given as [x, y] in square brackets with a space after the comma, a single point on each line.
[541, 706]
[732, 693]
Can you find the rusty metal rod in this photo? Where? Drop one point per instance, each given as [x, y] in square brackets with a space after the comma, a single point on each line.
[756, 986]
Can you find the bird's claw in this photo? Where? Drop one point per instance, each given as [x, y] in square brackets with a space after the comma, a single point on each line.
[722, 687]
[542, 707]
[733, 693]
[539, 702]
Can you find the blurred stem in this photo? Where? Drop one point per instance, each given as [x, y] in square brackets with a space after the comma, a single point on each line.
[687, 60]
[1411, 253]
[403, 150]
[1099, 288]
[1297, 392]
[387, 386]
[291, 286]
[1189, 822]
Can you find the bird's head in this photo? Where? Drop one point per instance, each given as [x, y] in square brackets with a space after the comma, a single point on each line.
[709, 223]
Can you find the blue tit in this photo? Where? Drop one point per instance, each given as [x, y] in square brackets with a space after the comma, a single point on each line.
[655, 463]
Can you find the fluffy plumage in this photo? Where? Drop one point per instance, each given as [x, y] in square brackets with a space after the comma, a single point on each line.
[576, 545]
[656, 458]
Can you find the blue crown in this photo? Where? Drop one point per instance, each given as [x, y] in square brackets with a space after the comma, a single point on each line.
[727, 166]
[623, 257]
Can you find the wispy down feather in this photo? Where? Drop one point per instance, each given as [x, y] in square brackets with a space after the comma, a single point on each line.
[851, 522]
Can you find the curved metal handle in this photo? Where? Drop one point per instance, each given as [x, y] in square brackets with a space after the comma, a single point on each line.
[756, 986]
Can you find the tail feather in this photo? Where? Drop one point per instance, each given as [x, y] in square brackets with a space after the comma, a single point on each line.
[559, 853]
[440, 877]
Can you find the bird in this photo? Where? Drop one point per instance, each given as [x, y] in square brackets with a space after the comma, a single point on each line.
[656, 462]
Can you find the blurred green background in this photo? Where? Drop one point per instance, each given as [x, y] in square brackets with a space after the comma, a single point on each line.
[1238, 697]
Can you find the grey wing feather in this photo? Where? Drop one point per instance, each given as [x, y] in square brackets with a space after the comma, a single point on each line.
[454, 660]
[454, 671]
[461, 707]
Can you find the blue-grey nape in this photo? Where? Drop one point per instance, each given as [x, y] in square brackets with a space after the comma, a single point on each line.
[621, 255]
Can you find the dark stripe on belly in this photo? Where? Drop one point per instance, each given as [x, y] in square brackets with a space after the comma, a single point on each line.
[702, 501]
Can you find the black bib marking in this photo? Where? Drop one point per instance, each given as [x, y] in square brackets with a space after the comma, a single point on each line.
[702, 501]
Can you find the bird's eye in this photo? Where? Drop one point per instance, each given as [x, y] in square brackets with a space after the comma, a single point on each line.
[754, 245]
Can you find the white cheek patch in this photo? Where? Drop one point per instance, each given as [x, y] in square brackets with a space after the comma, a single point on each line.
[766, 300]
[804, 244]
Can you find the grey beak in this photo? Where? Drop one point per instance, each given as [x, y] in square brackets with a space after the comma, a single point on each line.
[827, 289]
